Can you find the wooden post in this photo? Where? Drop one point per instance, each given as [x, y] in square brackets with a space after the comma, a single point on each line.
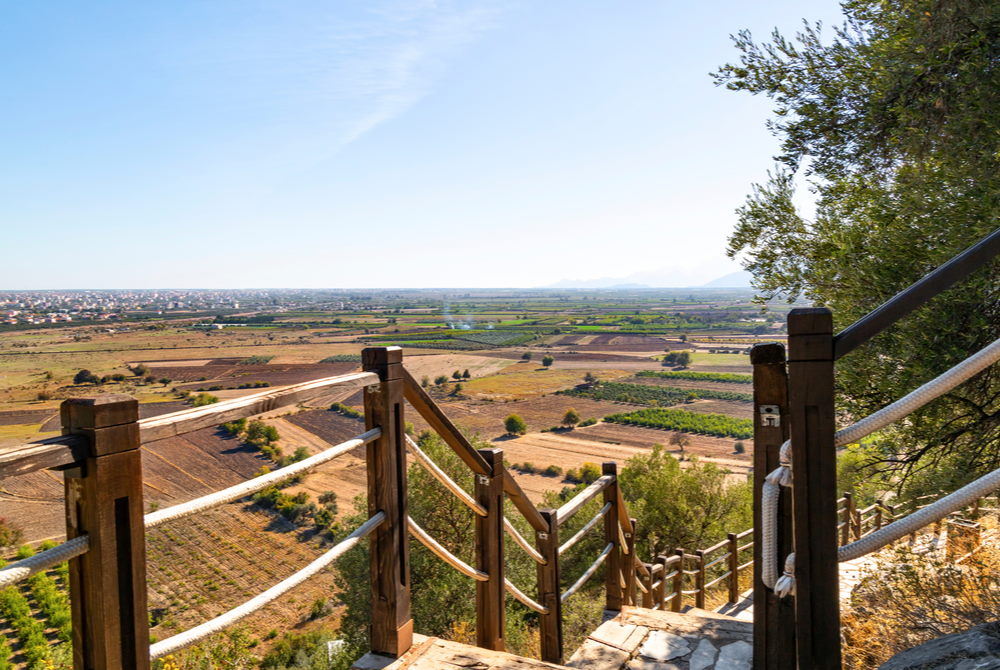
[104, 501]
[647, 596]
[699, 581]
[848, 518]
[773, 617]
[631, 560]
[489, 554]
[391, 628]
[734, 568]
[659, 593]
[550, 624]
[676, 603]
[814, 494]
[878, 516]
[613, 570]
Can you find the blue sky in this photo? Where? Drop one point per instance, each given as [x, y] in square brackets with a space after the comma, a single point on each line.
[371, 144]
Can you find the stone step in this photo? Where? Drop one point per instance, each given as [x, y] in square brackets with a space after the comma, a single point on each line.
[642, 639]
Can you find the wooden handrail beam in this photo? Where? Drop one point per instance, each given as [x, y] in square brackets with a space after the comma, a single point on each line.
[522, 503]
[582, 498]
[53, 453]
[442, 425]
[915, 295]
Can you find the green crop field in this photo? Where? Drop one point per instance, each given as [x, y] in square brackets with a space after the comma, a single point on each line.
[718, 425]
[641, 394]
[699, 376]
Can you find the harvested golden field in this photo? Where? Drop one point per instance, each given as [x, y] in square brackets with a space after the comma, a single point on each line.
[530, 380]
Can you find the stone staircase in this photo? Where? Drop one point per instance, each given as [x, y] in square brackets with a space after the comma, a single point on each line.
[633, 639]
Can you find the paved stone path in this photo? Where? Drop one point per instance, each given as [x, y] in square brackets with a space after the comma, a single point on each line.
[643, 639]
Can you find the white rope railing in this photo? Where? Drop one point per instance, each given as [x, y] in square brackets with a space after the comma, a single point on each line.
[771, 490]
[256, 484]
[525, 600]
[960, 499]
[586, 527]
[522, 542]
[587, 574]
[443, 477]
[191, 636]
[43, 560]
[445, 555]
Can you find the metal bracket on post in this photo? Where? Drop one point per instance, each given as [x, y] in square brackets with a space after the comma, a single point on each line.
[770, 416]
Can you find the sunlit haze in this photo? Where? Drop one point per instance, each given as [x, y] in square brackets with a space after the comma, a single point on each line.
[384, 144]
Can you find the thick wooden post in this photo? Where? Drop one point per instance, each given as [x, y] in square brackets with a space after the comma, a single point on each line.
[550, 624]
[631, 560]
[489, 554]
[814, 493]
[734, 567]
[613, 564]
[878, 516]
[678, 600]
[847, 518]
[391, 630]
[699, 581]
[104, 501]
[773, 617]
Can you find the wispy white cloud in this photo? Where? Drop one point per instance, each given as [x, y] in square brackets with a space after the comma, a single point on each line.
[297, 82]
[402, 52]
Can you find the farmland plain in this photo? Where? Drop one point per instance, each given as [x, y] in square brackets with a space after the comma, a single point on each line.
[483, 356]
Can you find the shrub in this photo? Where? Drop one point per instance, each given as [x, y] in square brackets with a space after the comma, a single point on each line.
[85, 377]
[526, 356]
[590, 473]
[466, 375]
[588, 422]
[552, 471]
[515, 425]
[139, 370]
[547, 360]
[260, 433]
[739, 448]
[203, 399]
[341, 408]
[44, 395]
[456, 375]
[234, 428]
[570, 418]
[10, 534]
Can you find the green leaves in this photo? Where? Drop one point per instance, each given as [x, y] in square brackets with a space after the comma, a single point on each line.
[894, 120]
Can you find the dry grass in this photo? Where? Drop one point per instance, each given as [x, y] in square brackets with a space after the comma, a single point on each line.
[531, 379]
[909, 599]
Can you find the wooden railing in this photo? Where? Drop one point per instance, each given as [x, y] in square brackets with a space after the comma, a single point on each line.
[794, 399]
[99, 455]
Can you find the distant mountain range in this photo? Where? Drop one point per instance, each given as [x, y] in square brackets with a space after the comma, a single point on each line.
[738, 279]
